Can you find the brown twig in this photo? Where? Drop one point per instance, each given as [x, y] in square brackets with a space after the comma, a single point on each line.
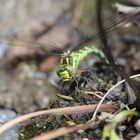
[107, 93]
[59, 111]
[65, 130]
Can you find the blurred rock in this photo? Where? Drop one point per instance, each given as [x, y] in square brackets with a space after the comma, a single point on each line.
[28, 89]
[11, 134]
[3, 49]
[15, 14]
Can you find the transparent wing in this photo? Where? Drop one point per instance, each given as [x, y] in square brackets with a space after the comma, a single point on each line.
[125, 20]
[46, 46]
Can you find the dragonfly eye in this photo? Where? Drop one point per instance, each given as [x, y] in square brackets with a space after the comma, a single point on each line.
[68, 68]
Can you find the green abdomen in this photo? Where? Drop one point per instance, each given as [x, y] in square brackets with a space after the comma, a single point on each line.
[81, 54]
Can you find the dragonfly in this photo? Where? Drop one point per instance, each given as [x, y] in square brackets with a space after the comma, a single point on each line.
[71, 58]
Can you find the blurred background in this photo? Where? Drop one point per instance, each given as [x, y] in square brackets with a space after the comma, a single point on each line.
[33, 34]
[27, 74]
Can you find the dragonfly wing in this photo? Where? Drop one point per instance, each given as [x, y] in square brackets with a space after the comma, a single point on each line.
[26, 46]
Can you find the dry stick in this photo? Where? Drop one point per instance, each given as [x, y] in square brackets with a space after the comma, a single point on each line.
[109, 56]
[94, 94]
[65, 130]
[59, 111]
[109, 91]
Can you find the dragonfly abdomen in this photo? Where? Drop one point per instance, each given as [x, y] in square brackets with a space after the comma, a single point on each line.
[81, 54]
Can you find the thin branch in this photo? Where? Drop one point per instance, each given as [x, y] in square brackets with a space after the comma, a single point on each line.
[109, 91]
[65, 130]
[59, 111]
[106, 50]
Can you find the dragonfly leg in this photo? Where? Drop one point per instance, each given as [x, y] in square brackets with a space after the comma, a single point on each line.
[83, 81]
[74, 86]
[77, 85]
[59, 84]
[63, 86]
[87, 77]
[90, 74]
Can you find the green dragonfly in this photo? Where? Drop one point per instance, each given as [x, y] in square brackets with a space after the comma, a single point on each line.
[70, 59]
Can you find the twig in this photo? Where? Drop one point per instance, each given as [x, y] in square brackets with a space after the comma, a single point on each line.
[94, 93]
[65, 97]
[65, 130]
[106, 49]
[109, 91]
[59, 111]
[126, 9]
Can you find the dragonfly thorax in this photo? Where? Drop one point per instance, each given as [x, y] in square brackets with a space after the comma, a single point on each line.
[65, 70]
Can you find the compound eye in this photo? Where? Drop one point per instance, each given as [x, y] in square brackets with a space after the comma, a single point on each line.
[69, 69]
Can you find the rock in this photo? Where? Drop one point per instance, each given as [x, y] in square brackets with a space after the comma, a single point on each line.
[11, 134]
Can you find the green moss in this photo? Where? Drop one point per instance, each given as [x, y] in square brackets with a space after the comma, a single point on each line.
[105, 86]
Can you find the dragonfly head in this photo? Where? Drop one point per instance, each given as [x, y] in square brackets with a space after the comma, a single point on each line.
[65, 70]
